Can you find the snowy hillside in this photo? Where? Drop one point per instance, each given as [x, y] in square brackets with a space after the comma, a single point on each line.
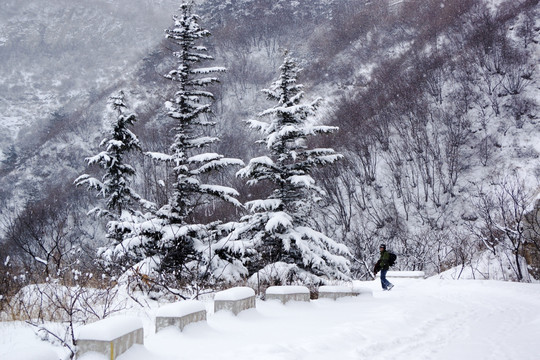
[55, 56]
[418, 319]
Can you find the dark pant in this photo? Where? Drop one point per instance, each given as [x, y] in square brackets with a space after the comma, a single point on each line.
[385, 283]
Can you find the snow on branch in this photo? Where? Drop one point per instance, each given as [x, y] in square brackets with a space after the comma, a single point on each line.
[219, 164]
[308, 233]
[201, 158]
[202, 141]
[288, 131]
[196, 110]
[327, 159]
[260, 126]
[219, 189]
[300, 110]
[240, 247]
[208, 70]
[91, 182]
[226, 193]
[101, 157]
[195, 57]
[113, 143]
[320, 129]
[40, 260]
[263, 161]
[203, 81]
[264, 205]
[304, 180]
[194, 94]
[160, 156]
[277, 221]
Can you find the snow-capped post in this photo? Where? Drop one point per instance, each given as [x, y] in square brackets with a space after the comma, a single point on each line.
[175, 243]
[275, 241]
[180, 314]
[287, 293]
[110, 337]
[235, 299]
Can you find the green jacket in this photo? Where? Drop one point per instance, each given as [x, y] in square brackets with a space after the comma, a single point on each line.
[384, 260]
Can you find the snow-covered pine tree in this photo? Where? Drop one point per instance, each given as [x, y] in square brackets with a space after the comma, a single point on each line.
[275, 239]
[114, 185]
[178, 247]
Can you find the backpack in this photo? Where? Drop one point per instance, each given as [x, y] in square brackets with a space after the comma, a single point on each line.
[391, 259]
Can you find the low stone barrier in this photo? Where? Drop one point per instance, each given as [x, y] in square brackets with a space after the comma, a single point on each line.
[235, 299]
[405, 274]
[287, 293]
[111, 336]
[180, 314]
[335, 292]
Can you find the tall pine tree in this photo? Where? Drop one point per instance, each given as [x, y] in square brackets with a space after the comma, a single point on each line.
[276, 239]
[176, 245]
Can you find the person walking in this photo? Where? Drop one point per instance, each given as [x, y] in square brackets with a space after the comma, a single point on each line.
[382, 265]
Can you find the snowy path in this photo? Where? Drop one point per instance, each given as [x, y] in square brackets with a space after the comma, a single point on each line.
[418, 319]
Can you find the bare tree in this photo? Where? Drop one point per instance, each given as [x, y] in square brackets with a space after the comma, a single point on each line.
[502, 225]
[526, 29]
[57, 307]
[49, 234]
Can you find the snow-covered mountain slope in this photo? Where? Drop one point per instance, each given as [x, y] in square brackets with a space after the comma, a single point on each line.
[54, 54]
[59, 62]
[426, 114]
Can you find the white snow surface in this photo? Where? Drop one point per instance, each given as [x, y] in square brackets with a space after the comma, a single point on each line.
[33, 352]
[282, 290]
[337, 289]
[110, 328]
[419, 319]
[404, 274]
[235, 293]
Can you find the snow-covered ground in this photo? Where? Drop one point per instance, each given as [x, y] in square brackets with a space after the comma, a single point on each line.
[418, 319]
